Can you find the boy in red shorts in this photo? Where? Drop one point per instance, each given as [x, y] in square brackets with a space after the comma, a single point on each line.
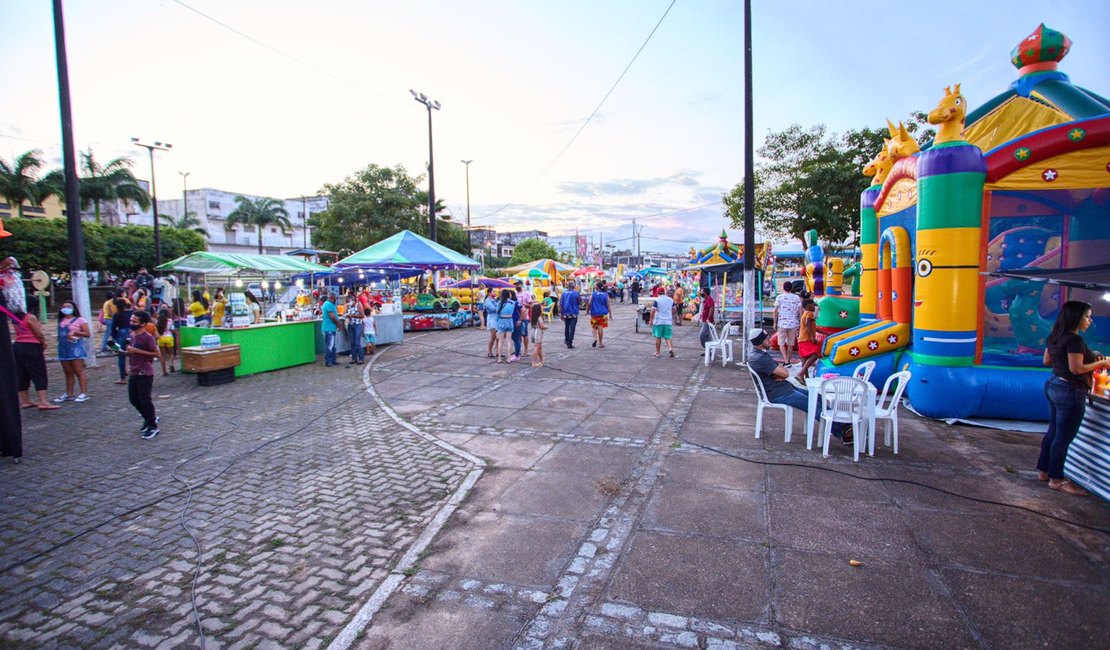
[808, 347]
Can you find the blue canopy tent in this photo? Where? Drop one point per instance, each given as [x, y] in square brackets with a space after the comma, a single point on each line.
[409, 250]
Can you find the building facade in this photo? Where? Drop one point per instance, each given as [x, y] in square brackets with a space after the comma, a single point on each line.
[212, 207]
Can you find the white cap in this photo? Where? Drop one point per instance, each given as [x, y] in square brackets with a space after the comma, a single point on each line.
[757, 336]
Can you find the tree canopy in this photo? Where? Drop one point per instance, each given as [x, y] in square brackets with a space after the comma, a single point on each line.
[19, 181]
[531, 250]
[812, 179]
[375, 203]
[44, 244]
[259, 213]
[108, 182]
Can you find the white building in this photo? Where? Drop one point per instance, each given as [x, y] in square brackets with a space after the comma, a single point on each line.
[213, 206]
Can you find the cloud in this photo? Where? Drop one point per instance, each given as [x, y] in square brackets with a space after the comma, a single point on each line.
[629, 186]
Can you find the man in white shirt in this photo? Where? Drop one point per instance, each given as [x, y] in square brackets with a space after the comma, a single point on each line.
[662, 319]
[788, 307]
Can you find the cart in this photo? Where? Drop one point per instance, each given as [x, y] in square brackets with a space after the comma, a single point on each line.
[643, 313]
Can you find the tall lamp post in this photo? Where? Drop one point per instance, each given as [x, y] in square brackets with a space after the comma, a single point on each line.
[150, 147]
[184, 193]
[430, 104]
[469, 246]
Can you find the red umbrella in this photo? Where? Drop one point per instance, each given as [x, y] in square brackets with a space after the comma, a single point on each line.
[589, 270]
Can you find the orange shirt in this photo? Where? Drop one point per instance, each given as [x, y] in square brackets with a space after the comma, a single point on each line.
[807, 325]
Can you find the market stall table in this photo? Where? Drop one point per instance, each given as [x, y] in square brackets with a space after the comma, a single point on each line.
[265, 347]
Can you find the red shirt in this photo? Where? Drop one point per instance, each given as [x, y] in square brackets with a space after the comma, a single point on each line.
[707, 309]
[141, 364]
[658, 291]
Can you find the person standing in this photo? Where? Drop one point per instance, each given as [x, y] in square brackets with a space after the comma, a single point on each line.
[662, 316]
[1073, 365]
[707, 317]
[525, 300]
[489, 307]
[328, 328]
[788, 307]
[121, 323]
[369, 332]
[107, 310]
[355, 325]
[634, 291]
[679, 303]
[72, 332]
[506, 307]
[599, 314]
[219, 308]
[142, 350]
[539, 327]
[30, 361]
[568, 310]
[198, 309]
[808, 348]
[165, 328]
[144, 280]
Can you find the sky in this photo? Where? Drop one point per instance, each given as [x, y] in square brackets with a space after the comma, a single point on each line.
[279, 97]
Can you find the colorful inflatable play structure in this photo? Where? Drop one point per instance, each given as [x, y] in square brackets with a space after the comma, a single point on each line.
[1021, 183]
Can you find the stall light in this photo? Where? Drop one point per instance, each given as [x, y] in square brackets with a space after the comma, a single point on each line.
[277, 286]
[1106, 296]
[265, 284]
[300, 283]
[340, 280]
[238, 282]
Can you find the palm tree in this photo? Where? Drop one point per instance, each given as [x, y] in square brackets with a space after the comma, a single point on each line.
[260, 213]
[19, 182]
[187, 221]
[109, 183]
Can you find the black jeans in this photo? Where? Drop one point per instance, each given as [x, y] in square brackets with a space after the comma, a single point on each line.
[139, 388]
[1066, 405]
[569, 324]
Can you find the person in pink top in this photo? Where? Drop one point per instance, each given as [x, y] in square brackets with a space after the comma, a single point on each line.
[30, 361]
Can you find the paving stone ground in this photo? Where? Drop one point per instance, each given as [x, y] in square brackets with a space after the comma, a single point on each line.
[306, 495]
[601, 518]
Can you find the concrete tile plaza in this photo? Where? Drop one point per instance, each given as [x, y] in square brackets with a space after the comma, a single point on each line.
[435, 499]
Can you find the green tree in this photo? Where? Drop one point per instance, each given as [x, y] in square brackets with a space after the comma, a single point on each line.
[368, 206]
[259, 213]
[187, 221]
[531, 250]
[19, 181]
[110, 182]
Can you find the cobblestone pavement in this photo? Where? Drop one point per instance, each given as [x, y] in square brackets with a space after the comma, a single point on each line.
[306, 495]
[596, 526]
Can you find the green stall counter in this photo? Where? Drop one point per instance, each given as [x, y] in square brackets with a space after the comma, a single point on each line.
[270, 346]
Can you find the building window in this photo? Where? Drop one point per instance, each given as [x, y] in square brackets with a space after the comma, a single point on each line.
[213, 205]
[273, 230]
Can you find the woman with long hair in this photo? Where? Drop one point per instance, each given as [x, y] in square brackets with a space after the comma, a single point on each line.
[72, 332]
[165, 328]
[29, 349]
[505, 308]
[1073, 365]
[198, 309]
[121, 330]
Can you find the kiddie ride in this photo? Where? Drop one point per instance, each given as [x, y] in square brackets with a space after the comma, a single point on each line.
[428, 311]
[1017, 186]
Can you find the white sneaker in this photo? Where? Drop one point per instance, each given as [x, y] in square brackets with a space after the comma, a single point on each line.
[64, 397]
[81, 398]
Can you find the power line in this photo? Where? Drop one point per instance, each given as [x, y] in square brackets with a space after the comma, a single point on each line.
[588, 119]
[292, 58]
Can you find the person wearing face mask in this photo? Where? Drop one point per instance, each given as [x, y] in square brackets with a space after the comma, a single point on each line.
[142, 350]
[72, 332]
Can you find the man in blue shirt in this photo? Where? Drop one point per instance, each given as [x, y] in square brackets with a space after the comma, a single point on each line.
[568, 309]
[329, 327]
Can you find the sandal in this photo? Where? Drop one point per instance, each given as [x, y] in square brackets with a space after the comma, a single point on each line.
[1067, 487]
[47, 407]
[29, 405]
[1042, 476]
[122, 381]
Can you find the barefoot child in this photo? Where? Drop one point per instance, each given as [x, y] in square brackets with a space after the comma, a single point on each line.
[539, 326]
[808, 347]
[369, 331]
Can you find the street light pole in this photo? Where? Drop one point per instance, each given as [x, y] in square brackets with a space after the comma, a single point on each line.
[430, 104]
[304, 219]
[469, 246]
[150, 147]
[184, 194]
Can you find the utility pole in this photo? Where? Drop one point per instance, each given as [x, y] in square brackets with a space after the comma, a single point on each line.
[430, 104]
[749, 186]
[184, 193]
[469, 245]
[78, 273]
[304, 219]
[150, 147]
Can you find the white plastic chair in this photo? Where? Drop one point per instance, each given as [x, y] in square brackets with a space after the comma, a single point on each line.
[844, 400]
[887, 408]
[764, 403]
[720, 342]
[863, 371]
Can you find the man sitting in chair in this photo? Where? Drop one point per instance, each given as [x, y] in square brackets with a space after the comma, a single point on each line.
[774, 376]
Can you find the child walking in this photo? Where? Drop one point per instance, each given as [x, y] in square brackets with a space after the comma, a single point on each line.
[142, 350]
[369, 332]
[539, 326]
[809, 349]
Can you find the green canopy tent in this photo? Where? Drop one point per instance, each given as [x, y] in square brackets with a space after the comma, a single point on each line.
[208, 263]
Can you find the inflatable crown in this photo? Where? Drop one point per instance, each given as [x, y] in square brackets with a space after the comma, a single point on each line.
[1041, 50]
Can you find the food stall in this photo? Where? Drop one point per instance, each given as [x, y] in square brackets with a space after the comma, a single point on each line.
[409, 252]
[263, 346]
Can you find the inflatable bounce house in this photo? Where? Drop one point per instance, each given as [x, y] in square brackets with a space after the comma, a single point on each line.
[1020, 185]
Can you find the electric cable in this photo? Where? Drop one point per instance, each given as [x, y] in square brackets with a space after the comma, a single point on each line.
[680, 436]
[588, 119]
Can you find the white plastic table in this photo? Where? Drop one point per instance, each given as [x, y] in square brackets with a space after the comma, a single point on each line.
[813, 387]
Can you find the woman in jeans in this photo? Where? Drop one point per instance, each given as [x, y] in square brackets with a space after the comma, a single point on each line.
[72, 332]
[354, 327]
[1072, 364]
